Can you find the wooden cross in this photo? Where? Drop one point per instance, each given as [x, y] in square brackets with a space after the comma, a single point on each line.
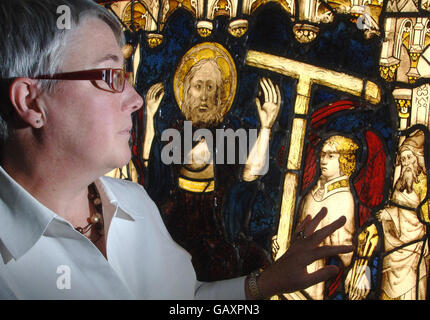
[307, 75]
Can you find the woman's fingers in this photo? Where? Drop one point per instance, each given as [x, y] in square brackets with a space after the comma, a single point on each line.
[313, 224]
[301, 227]
[328, 251]
[323, 233]
[323, 274]
[307, 227]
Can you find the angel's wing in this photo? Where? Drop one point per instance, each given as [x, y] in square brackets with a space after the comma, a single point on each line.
[370, 181]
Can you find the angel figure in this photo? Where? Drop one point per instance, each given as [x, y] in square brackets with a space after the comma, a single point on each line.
[332, 191]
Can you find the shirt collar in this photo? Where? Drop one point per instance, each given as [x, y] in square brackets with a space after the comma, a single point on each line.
[113, 202]
[118, 193]
[23, 219]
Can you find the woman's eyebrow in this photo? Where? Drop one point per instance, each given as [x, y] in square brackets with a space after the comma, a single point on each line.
[108, 57]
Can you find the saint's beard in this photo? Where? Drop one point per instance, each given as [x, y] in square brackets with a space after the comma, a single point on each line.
[212, 117]
[408, 176]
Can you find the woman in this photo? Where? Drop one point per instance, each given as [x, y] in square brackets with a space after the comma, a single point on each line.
[67, 232]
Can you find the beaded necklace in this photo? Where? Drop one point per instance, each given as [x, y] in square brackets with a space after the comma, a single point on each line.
[95, 221]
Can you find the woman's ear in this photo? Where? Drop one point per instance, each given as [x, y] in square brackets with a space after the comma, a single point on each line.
[23, 95]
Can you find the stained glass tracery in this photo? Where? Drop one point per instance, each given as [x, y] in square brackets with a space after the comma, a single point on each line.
[351, 79]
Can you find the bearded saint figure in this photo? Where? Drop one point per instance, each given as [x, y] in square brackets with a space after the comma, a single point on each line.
[404, 273]
[203, 90]
[193, 209]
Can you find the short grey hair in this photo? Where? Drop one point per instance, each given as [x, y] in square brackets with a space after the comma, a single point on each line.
[33, 45]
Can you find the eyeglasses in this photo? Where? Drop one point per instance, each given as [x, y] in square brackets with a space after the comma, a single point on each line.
[111, 80]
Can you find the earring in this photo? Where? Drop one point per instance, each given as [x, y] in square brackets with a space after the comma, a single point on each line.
[38, 121]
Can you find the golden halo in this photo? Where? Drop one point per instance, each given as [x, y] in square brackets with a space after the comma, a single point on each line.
[208, 50]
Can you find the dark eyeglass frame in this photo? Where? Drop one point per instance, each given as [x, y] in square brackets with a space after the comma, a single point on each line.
[107, 75]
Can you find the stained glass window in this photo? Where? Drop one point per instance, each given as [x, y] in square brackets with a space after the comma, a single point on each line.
[260, 112]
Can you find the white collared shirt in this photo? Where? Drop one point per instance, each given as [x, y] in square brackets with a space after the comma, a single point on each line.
[44, 257]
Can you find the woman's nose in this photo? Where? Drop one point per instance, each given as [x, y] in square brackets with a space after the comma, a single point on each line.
[133, 100]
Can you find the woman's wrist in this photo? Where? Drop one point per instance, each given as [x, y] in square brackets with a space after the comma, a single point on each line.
[252, 286]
